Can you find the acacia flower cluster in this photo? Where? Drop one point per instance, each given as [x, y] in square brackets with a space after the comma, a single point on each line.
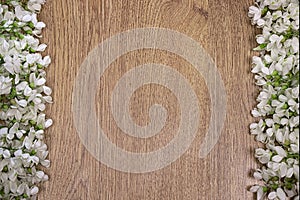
[277, 73]
[23, 95]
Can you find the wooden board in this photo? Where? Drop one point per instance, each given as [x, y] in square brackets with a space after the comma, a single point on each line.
[75, 27]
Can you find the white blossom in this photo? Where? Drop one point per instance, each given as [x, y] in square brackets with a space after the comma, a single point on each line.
[277, 73]
[23, 96]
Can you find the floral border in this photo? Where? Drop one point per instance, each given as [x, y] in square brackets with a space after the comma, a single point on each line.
[276, 71]
[23, 99]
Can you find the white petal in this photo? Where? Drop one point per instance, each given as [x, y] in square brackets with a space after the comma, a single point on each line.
[41, 107]
[295, 44]
[22, 103]
[254, 188]
[279, 136]
[40, 25]
[45, 163]
[269, 132]
[32, 76]
[10, 136]
[19, 134]
[37, 101]
[290, 172]
[281, 194]
[6, 154]
[280, 151]
[265, 70]
[255, 113]
[47, 60]
[21, 86]
[36, 6]
[18, 153]
[27, 91]
[253, 125]
[25, 155]
[9, 67]
[41, 47]
[257, 175]
[27, 18]
[275, 166]
[277, 158]
[284, 121]
[14, 128]
[34, 190]
[260, 193]
[260, 39]
[292, 102]
[17, 79]
[278, 67]
[255, 69]
[283, 170]
[40, 174]
[45, 177]
[47, 90]
[269, 122]
[21, 188]
[272, 195]
[295, 148]
[296, 171]
[13, 186]
[282, 98]
[40, 81]
[260, 22]
[48, 123]
[48, 99]
[3, 131]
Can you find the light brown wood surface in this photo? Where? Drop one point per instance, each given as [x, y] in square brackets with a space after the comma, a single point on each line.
[75, 27]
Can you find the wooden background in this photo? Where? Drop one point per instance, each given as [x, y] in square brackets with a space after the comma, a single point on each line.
[75, 27]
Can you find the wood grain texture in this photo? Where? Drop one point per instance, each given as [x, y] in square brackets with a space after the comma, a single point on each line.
[75, 27]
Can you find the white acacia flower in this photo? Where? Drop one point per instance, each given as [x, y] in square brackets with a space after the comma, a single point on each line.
[258, 130]
[23, 98]
[254, 13]
[5, 85]
[22, 14]
[277, 73]
[280, 194]
[262, 155]
[36, 81]
[259, 66]
[35, 5]
[12, 64]
[33, 58]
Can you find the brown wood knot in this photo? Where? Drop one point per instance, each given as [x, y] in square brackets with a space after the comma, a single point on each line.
[201, 11]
